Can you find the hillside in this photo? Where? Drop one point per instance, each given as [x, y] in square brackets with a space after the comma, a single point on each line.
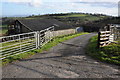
[75, 19]
[90, 22]
[96, 25]
[69, 18]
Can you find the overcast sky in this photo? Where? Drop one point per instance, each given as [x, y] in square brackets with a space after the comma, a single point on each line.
[29, 7]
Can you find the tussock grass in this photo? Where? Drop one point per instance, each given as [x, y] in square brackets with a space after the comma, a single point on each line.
[46, 47]
[110, 53]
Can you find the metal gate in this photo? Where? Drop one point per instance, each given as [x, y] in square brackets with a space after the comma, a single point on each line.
[44, 36]
[17, 44]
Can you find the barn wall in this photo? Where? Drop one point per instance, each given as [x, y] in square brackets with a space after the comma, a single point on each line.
[17, 27]
[64, 32]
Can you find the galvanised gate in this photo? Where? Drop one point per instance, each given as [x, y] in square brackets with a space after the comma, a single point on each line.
[17, 44]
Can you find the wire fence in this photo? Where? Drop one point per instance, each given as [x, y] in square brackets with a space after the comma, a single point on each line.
[17, 44]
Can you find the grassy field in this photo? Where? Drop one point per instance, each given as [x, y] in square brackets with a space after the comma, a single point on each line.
[110, 53]
[3, 29]
[74, 15]
[83, 17]
[46, 47]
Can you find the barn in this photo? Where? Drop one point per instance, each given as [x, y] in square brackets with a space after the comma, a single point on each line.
[30, 25]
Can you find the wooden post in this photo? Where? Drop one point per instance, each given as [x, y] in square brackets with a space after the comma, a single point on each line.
[98, 45]
[36, 37]
[38, 33]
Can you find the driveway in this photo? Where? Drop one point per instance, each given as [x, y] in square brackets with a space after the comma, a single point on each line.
[66, 60]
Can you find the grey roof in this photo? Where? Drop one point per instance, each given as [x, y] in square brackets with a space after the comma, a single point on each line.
[40, 24]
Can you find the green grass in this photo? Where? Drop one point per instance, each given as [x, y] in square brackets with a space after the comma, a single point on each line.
[17, 41]
[15, 45]
[83, 17]
[3, 25]
[75, 15]
[46, 47]
[3, 31]
[110, 53]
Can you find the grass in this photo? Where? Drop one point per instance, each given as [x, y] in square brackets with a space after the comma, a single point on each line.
[83, 17]
[109, 54]
[46, 47]
[17, 41]
[74, 15]
[3, 29]
[15, 45]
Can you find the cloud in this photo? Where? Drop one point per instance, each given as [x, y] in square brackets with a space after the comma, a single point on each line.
[112, 1]
[18, 1]
[34, 3]
[59, 6]
[97, 3]
[100, 4]
[82, 7]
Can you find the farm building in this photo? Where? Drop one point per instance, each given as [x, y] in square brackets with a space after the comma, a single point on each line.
[30, 25]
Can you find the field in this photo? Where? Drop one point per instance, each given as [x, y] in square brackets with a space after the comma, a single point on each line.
[3, 30]
[83, 17]
[74, 15]
[73, 19]
[110, 53]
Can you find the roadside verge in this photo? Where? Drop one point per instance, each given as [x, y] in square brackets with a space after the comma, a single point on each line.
[109, 54]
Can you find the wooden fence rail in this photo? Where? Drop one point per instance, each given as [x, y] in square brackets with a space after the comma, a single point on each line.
[103, 38]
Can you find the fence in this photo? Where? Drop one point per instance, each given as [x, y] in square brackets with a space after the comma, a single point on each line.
[116, 36]
[104, 38]
[115, 30]
[17, 44]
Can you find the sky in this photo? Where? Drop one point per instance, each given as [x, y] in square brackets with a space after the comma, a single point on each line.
[11, 8]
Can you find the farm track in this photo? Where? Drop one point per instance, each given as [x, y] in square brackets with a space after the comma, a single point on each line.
[66, 60]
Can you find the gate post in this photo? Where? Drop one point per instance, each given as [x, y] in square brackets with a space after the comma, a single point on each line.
[98, 45]
[38, 33]
[36, 39]
[20, 43]
[53, 32]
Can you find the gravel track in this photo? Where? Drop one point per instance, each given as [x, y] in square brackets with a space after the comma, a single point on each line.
[66, 60]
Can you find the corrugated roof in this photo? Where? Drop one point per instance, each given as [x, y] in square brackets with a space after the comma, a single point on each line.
[40, 24]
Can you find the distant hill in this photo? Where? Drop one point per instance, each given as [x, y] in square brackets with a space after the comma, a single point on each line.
[75, 19]
[96, 25]
[69, 18]
[90, 22]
